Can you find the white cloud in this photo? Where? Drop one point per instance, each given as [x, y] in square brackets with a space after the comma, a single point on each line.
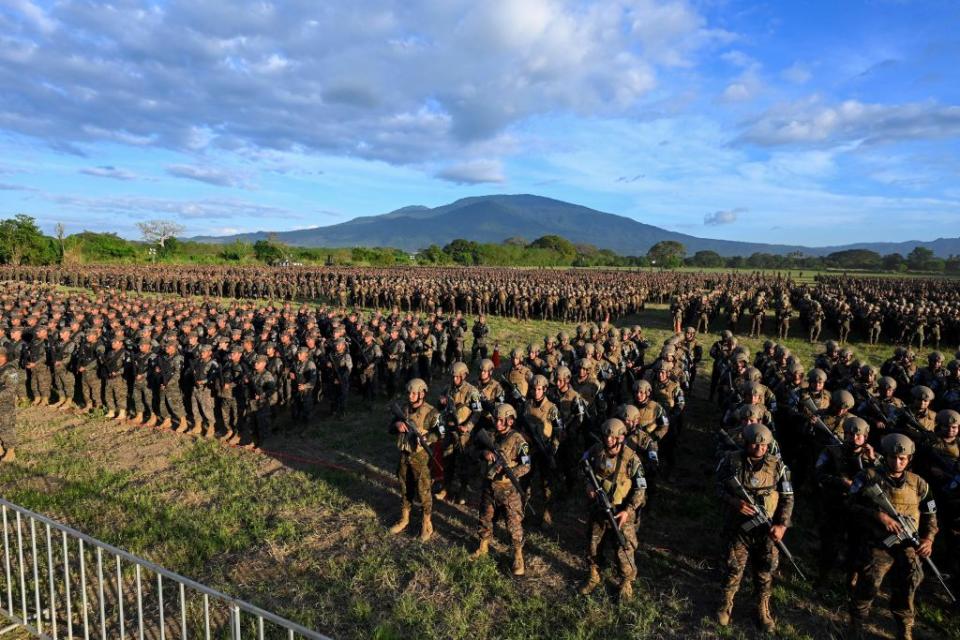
[474, 172]
[736, 92]
[813, 122]
[108, 171]
[209, 175]
[408, 83]
[722, 217]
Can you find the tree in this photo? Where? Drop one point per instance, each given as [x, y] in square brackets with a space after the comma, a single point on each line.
[918, 258]
[894, 262]
[159, 231]
[854, 259]
[465, 252]
[515, 241]
[554, 243]
[706, 259]
[21, 242]
[268, 252]
[667, 254]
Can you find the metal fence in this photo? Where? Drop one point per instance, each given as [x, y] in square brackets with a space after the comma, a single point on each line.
[60, 583]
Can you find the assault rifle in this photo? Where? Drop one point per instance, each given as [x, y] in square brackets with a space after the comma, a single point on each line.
[908, 531]
[761, 519]
[482, 438]
[416, 433]
[809, 411]
[603, 501]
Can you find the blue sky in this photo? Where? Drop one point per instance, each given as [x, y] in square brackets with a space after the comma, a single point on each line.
[792, 122]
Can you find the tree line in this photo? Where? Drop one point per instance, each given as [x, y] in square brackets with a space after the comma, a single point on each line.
[22, 242]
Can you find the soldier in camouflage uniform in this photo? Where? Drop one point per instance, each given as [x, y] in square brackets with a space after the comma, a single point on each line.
[9, 385]
[910, 496]
[619, 471]
[36, 357]
[480, 333]
[169, 398]
[938, 460]
[114, 368]
[541, 420]
[142, 373]
[232, 394]
[206, 380]
[303, 376]
[260, 388]
[498, 490]
[835, 471]
[456, 462]
[413, 470]
[766, 479]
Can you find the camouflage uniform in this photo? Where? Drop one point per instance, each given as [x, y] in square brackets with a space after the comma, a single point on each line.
[9, 386]
[910, 496]
[768, 483]
[413, 469]
[622, 478]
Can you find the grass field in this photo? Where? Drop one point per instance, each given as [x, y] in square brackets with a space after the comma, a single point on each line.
[300, 529]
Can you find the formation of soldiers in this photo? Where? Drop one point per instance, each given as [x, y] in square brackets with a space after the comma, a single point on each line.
[598, 412]
[878, 449]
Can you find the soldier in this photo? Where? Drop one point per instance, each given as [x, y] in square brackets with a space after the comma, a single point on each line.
[573, 415]
[835, 471]
[340, 364]
[541, 419]
[113, 365]
[765, 479]
[510, 457]
[480, 333]
[232, 395]
[142, 373]
[491, 392]
[169, 399]
[303, 376]
[918, 414]
[88, 359]
[938, 459]
[413, 470]
[260, 387]
[909, 494]
[61, 362]
[206, 381]
[456, 466]
[720, 351]
[619, 471]
[9, 386]
[35, 361]
[395, 353]
[369, 360]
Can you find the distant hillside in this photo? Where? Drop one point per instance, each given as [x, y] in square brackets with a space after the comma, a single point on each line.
[495, 218]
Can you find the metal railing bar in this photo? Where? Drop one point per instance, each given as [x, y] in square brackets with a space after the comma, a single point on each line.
[36, 577]
[160, 571]
[83, 589]
[123, 632]
[53, 590]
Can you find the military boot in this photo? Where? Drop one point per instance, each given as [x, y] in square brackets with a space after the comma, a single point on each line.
[519, 568]
[626, 590]
[9, 455]
[726, 608]
[483, 549]
[166, 424]
[764, 619]
[592, 581]
[121, 415]
[110, 415]
[183, 425]
[402, 522]
[426, 528]
[152, 421]
[234, 438]
[138, 418]
[196, 429]
[37, 401]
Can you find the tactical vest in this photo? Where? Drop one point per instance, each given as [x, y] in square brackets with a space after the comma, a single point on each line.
[615, 482]
[544, 414]
[423, 418]
[761, 484]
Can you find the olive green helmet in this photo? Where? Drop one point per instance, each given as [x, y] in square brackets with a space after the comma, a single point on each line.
[853, 425]
[416, 385]
[642, 385]
[504, 412]
[757, 434]
[486, 365]
[459, 369]
[896, 444]
[613, 427]
[921, 392]
[539, 381]
[842, 399]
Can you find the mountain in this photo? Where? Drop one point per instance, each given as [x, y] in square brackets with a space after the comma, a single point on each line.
[495, 218]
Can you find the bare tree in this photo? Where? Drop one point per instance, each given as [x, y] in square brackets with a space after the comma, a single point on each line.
[159, 231]
[60, 231]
